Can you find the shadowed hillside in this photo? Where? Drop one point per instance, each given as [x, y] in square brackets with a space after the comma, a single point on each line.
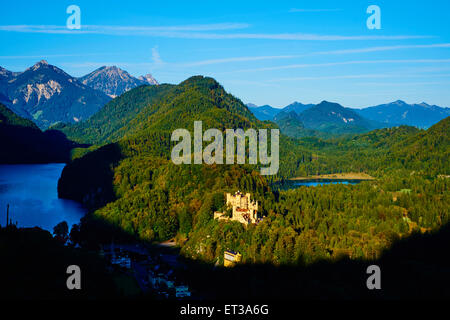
[21, 141]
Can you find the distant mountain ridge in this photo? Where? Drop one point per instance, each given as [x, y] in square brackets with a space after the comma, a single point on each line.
[46, 95]
[335, 119]
[321, 120]
[396, 113]
[298, 107]
[114, 81]
[262, 113]
[291, 125]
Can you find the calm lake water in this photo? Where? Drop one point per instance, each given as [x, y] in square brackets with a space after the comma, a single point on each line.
[314, 182]
[31, 192]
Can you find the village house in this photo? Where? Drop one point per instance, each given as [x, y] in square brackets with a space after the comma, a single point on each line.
[230, 258]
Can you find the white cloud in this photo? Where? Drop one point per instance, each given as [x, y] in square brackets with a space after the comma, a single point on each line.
[329, 64]
[195, 32]
[46, 56]
[386, 48]
[406, 84]
[235, 59]
[156, 58]
[121, 30]
[335, 52]
[362, 76]
[314, 10]
[285, 36]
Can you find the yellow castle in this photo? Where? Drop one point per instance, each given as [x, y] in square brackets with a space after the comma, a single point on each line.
[244, 210]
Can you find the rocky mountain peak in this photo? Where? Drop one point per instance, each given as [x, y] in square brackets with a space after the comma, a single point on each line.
[149, 79]
[399, 103]
[114, 81]
[40, 64]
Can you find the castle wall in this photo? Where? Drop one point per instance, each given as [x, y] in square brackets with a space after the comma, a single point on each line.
[244, 210]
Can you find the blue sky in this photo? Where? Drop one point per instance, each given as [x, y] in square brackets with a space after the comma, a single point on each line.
[265, 52]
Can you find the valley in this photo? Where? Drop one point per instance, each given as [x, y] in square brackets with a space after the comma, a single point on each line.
[119, 167]
[230, 159]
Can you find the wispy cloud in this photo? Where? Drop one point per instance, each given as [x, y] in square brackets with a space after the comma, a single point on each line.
[197, 32]
[383, 83]
[361, 76]
[287, 36]
[357, 76]
[401, 84]
[352, 62]
[156, 58]
[385, 48]
[314, 10]
[122, 30]
[46, 56]
[334, 52]
[236, 59]
[94, 64]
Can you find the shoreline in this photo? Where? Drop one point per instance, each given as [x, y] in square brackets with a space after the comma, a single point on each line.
[337, 176]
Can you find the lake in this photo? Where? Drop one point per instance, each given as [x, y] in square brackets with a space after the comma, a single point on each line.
[31, 192]
[292, 184]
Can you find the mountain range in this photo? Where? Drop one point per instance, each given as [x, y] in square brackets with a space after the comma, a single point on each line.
[334, 118]
[396, 113]
[114, 81]
[134, 191]
[328, 118]
[264, 112]
[47, 95]
[129, 168]
[321, 120]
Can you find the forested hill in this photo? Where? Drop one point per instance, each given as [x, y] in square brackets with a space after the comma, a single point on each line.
[376, 152]
[104, 126]
[148, 127]
[163, 108]
[131, 184]
[427, 151]
[136, 172]
[197, 98]
[21, 141]
[9, 118]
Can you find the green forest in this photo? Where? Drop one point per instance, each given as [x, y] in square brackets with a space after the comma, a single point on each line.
[127, 180]
[21, 141]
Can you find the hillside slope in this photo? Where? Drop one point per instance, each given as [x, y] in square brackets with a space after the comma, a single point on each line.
[136, 171]
[265, 112]
[21, 141]
[428, 151]
[291, 125]
[332, 117]
[104, 126]
[132, 185]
